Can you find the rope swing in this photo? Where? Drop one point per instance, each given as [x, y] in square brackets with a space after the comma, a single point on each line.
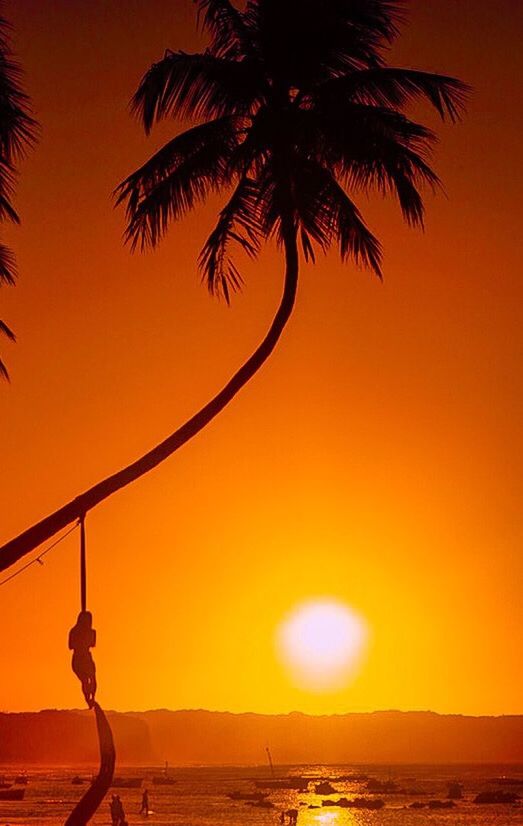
[82, 637]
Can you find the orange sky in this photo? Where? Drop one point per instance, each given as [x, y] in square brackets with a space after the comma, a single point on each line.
[375, 459]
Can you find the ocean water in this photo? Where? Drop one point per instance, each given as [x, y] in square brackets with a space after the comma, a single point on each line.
[199, 797]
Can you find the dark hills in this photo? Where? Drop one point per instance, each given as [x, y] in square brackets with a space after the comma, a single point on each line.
[205, 737]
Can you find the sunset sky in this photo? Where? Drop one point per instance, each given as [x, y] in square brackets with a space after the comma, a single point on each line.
[375, 460]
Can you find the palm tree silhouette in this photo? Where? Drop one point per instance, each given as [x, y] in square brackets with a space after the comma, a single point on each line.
[296, 110]
[17, 133]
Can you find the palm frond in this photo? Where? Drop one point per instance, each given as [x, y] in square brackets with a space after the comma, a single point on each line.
[238, 222]
[18, 129]
[3, 371]
[195, 86]
[7, 180]
[230, 36]
[394, 87]
[303, 42]
[7, 266]
[6, 331]
[176, 178]
[327, 214]
[372, 147]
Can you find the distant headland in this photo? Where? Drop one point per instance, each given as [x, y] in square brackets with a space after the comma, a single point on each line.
[212, 738]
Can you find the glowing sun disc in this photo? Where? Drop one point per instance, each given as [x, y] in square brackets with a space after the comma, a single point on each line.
[320, 643]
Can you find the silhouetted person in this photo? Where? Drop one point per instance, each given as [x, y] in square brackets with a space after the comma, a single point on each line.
[282, 817]
[119, 811]
[115, 809]
[145, 803]
[81, 639]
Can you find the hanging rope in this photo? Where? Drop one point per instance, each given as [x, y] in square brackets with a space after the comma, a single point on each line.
[81, 639]
[83, 574]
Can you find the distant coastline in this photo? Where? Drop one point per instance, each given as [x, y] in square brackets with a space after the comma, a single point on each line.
[59, 737]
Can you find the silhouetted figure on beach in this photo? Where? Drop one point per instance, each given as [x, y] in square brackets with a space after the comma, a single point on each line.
[145, 803]
[117, 811]
[292, 814]
[81, 639]
[282, 817]
[114, 810]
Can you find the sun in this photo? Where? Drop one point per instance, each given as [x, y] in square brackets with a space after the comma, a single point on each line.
[321, 643]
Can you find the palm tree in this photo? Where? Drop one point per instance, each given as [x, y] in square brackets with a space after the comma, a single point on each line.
[17, 133]
[295, 110]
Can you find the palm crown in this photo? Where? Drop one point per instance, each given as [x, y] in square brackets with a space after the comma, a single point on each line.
[295, 111]
[300, 112]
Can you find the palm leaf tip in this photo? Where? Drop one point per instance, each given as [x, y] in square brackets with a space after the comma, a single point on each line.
[177, 177]
[239, 223]
[226, 25]
[11, 336]
[7, 266]
[7, 331]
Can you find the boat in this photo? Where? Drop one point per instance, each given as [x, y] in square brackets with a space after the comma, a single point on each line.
[127, 782]
[300, 784]
[12, 794]
[248, 796]
[165, 778]
[77, 781]
[21, 779]
[5, 785]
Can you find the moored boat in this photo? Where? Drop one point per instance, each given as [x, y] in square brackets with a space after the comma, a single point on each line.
[22, 779]
[251, 796]
[12, 794]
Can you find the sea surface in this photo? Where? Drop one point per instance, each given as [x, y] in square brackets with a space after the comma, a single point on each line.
[199, 796]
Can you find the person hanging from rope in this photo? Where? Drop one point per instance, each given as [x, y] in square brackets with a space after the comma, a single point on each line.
[82, 637]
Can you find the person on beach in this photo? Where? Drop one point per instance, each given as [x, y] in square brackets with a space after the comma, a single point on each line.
[145, 803]
[115, 810]
[119, 813]
[82, 637]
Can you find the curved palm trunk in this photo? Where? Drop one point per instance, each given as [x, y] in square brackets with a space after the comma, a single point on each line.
[30, 539]
[93, 797]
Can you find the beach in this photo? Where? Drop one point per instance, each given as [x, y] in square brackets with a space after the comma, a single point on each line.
[198, 796]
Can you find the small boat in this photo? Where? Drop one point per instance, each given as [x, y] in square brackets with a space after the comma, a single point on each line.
[300, 784]
[127, 782]
[77, 781]
[248, 796]
[12, 794]
[5, 785]
[21, 779]
[165, 778]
